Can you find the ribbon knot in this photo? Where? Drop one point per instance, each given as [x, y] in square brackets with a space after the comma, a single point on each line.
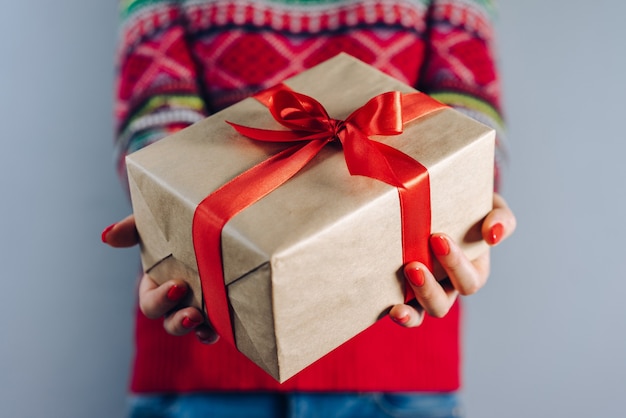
[337, 126]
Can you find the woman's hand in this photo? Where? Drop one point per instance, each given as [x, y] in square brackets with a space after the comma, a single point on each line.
[156, 301]
[465, 277]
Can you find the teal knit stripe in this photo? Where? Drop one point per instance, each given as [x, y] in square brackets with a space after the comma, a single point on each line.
[129, 7]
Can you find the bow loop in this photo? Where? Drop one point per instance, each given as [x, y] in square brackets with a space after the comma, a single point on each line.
[381, 115]
[299, 112]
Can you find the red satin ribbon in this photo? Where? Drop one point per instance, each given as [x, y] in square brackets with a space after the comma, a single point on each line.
[311, 128]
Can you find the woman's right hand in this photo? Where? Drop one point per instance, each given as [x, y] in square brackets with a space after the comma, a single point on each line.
[161, 301]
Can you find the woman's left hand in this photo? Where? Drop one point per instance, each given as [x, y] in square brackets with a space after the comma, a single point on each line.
[465, 277]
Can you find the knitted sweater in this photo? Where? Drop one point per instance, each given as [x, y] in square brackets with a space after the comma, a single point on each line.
[179, 61]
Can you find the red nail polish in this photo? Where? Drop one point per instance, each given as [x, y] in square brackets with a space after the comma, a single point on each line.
[495, 233]
[402, 320]
[106, 232]
[416, 276]
[440, 245]
[176, 293]
[189, 323]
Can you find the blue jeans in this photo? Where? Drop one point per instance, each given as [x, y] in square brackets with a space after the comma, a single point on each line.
[297, 405]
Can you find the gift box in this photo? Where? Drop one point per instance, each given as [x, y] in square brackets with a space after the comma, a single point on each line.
[309, 264]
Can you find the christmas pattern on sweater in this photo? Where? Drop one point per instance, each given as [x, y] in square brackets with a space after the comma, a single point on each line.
[181, 60]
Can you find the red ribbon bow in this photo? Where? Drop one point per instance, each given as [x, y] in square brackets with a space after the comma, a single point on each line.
[312, 127]
[308, 121]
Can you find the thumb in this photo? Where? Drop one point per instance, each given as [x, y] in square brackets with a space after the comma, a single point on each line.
[121, 234]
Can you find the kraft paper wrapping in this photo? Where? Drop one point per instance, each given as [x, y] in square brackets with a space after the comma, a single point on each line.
[319, 259]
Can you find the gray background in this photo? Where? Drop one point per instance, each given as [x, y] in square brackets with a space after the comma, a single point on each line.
[545, 338]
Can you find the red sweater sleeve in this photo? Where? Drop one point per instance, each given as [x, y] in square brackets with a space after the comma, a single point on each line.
[157, 87]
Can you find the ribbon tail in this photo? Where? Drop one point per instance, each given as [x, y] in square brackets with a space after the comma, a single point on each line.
[268, 135]
[220, 206]
[364, 157]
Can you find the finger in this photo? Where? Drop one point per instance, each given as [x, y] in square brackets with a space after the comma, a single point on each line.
[121, 234]
[183, 321]
[435, 297]
[406, 315]
[499, 223]
[206, 334]
[467, 277]
[156, 300]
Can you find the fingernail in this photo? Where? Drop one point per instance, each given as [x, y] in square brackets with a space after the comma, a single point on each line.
[495, 233]
[106, 232]
[189, 323]
[440, 245]
[416, 276]
[401, 320]
[176, 292]
[212, 339]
